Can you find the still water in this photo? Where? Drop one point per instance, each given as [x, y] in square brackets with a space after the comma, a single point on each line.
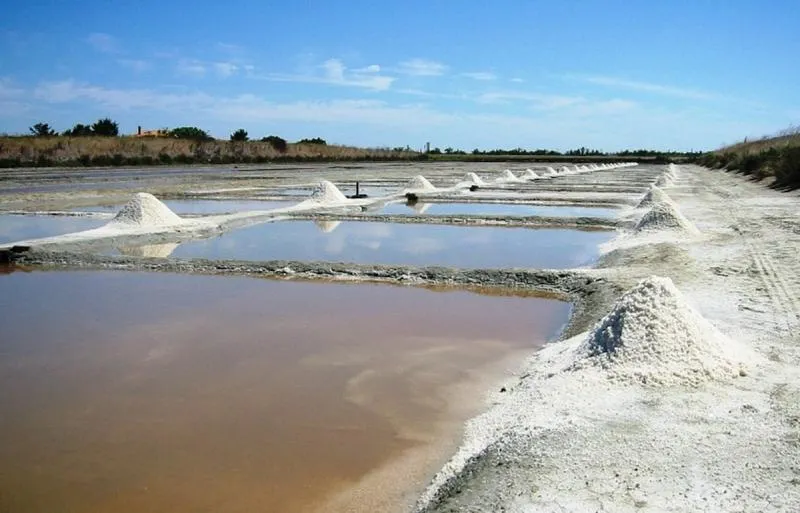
[133, 392]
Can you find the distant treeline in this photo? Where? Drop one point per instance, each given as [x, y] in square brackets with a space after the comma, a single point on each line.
[775, 157]
[100, 144]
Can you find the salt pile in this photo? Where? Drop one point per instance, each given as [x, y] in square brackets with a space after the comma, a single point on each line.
[663, 181]
[652, 336]
[327, 192]
[551, 171]
[653, 196]
[508, 176]
[665, 215]
[474, 179]
[145, 210]
[420, 183]
[529, 174]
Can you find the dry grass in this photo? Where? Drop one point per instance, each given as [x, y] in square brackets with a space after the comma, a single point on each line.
[80, 150]
[774, 157]
[783, 139]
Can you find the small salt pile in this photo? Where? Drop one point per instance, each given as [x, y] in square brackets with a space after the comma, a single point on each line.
[665, 215]
[420, 183]
[145, 210]
[652, 336]
[327, 192]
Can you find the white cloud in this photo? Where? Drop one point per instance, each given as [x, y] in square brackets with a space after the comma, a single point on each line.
[225, 69]
[191, 67]
[517, 80]
[422, 68]
[544, 101]
[480, 75]
[136, 65]
[372, 68]
[648, 87]
[334, 72]
[102, 42]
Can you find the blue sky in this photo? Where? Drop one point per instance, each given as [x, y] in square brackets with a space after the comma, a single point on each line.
[604, 74]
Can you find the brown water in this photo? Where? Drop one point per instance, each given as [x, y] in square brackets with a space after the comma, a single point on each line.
[131, 392]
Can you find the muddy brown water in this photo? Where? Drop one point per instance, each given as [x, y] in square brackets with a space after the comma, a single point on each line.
[132, 392]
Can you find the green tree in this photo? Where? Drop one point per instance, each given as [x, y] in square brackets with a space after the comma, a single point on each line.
[105, 127]
[189, 132]
[42, 130]
[239, 135]
[279, 143]
[79, 130]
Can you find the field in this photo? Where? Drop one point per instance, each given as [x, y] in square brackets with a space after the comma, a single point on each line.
[468, 337]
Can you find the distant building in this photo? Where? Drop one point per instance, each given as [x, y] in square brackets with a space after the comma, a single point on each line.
[158, 132]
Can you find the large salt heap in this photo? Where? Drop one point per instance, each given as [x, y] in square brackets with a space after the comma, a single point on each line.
[145, 210]
[508, 176]
[420, 183]
[653, 196]
[327, 192]
[652, 336]
[530, 174]
[664, 215]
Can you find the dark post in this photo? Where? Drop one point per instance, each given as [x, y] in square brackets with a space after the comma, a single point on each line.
[139, 130]
[356, 188]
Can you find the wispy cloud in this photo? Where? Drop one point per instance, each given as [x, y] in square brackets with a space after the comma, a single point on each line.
[191, 67]
[480, 75]
[517, 80]
[544, 101]
[102, 42]
[136, 65]
[422, 68]
[648, 87]
[9, 90]
[225, 69]
[334, 72]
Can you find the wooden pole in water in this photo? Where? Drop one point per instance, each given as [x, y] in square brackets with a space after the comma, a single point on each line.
[356, 188]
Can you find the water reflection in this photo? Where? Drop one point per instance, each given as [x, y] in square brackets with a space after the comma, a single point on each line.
[403, 244]
[496, 209]
[24, 227]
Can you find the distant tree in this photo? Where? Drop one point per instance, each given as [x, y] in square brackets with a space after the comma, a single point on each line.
[239, 135]
[278, 143]
[79, 130]
[315, 140]
[189, 132]
[435, 151]
[105, 128]
[42, 130]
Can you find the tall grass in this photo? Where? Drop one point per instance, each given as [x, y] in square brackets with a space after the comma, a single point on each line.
[118, 151]
[774, 157]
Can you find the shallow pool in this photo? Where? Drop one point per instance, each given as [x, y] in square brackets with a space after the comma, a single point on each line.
[134, 392]
[15, 228]
[402, 244]
[495, 209]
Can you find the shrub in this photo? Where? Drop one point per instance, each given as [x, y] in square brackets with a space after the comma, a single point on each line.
[316, 140]
[42, 130]
[79, 130]
[190, 132]
[787, 167]
[239, 135]
[105, 128]
[278, 143]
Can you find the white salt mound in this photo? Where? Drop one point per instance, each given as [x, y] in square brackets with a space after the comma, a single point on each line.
[653, 196]
[530, 174]
[419, 182]
[145, 210]
[327, 192]
[474, 179]
[665, 215]
[663, 181]
[508, 175]
[653, 337]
